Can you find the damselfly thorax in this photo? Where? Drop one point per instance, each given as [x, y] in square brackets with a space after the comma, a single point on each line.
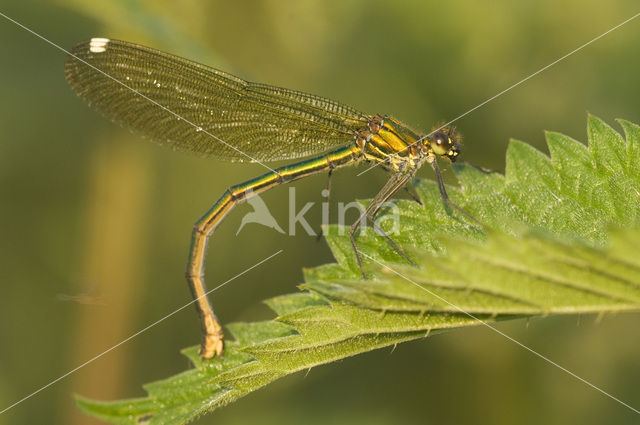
[400, 149]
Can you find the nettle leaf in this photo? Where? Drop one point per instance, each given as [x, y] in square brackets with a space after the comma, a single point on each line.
[546, 247]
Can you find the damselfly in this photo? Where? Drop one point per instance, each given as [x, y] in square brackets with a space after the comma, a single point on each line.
[195, 108]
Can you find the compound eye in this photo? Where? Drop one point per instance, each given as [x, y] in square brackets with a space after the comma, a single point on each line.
[440, 139]
[440, 142]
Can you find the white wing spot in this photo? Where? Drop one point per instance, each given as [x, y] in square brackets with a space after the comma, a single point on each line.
[98, 45]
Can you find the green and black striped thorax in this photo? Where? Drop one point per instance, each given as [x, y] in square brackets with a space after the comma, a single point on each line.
[399, 148]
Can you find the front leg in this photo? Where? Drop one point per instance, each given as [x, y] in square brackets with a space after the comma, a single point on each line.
[443, 191]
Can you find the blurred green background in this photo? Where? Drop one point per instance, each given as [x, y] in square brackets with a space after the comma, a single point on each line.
[95, 223]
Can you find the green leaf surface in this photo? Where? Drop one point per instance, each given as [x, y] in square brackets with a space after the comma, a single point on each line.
[548, 246]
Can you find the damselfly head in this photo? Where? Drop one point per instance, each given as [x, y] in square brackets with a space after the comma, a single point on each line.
[445, 142]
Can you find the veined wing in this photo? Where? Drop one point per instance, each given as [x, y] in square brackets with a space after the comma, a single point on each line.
[261, 121]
